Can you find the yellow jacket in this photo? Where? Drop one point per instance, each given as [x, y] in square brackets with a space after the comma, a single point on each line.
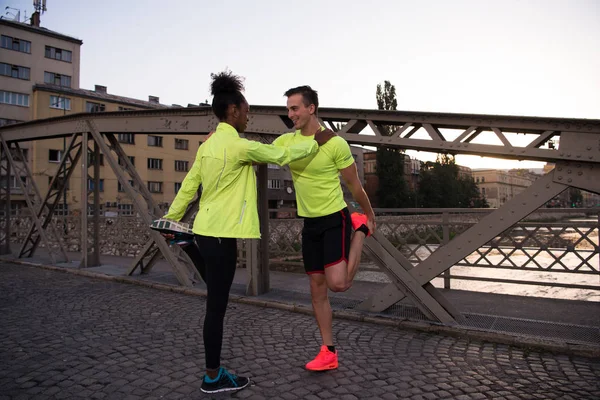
[223, 166]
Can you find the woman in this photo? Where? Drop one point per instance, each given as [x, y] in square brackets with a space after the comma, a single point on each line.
[228, 209]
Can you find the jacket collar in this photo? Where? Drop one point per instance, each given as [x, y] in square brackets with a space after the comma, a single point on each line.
[225, 129]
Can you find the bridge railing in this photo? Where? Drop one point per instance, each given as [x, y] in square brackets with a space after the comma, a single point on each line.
[548, 248]
[534, 251]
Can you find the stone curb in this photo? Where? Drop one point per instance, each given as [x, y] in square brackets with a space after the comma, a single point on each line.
[527, 343]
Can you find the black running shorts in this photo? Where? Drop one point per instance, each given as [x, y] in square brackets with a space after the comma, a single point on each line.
[326, 241]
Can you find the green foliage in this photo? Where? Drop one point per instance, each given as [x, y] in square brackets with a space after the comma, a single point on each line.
[386, 100]
[393, 191]
[442, 186]
[575, 197]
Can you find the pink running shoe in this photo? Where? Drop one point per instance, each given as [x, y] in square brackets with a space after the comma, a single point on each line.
[359, 220]
[323, 361]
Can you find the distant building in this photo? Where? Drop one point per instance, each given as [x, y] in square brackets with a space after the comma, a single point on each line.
[161, 161]
[412, 174]
[464, 172]
[39, 78]
[30, 55]
[563, 200]
[499, 186]
[371, 178]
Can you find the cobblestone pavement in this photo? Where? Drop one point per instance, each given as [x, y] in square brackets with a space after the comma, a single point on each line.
[68, 336]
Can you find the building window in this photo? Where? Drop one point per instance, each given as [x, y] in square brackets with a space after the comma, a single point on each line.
[61, 209]
[155, 141]
[14, 71]
[57, 79]
[60, 103]
[483, 191]
[125, 209]
[92, 107]
[181, 165]
[155, 187]
[274, 184]
[120, 187]
[58, 183]
[91, 211]
[100, 185]
[127, 138]
[59, 54]
[17, 155]
[13, 183]
[5, 121]
[131, 160]
[181, 144]
[16, 99]
[155, 163]
[177, 187]
[273, 166]
[8, 42]
[121, 108]
[91, 159]
[482, 179]
[55, 155]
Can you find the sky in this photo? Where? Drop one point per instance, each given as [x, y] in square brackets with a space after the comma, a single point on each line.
[504, 57]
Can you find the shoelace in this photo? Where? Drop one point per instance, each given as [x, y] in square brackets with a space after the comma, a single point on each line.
[230, 376]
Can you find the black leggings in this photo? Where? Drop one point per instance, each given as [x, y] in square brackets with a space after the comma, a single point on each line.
[220, 258]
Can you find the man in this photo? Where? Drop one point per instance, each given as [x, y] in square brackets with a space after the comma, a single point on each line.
[331, 256]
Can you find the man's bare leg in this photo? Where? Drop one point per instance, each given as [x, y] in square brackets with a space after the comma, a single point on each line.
[356, 247]
[321, 307]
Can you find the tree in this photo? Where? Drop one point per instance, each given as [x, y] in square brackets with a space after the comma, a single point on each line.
[386, 100]
[392, 190]
[575, 197]
[442, 186]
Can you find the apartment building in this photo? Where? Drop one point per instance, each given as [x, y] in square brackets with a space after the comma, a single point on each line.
[500, 186]
[30, 54]
[39, 78]
[412, 171]
[161, 161]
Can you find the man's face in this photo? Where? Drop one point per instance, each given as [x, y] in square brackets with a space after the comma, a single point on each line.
[242, 117]
[298, 112]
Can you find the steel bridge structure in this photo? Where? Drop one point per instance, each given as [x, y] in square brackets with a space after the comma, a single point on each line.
[573, 145]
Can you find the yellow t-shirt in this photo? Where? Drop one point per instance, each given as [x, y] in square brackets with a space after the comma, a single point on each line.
[316, 177]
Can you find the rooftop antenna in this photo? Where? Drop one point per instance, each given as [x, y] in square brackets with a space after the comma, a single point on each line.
[39, 6]
[16, 16]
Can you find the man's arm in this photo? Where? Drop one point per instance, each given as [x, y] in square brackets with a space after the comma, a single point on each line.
[282, 155]
[350, 176]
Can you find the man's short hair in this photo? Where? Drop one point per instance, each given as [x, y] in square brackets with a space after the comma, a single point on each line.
[309, 95]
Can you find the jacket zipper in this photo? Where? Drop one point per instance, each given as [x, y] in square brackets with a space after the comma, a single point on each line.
[223, 169]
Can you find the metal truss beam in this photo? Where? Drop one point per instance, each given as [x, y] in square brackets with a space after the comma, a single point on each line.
[490, 226]
[397, 267]
[257, 251]
[90, 258]
[33, 199]
[4, 201]
[267, 120]
[57, 185]
[184, 270]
